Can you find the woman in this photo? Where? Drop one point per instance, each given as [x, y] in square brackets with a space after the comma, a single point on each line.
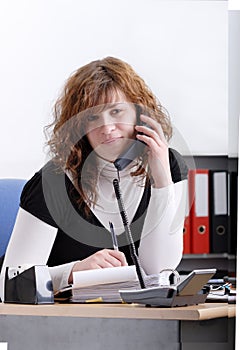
[65, 209]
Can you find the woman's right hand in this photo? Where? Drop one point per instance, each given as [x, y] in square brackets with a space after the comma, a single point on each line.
[100, 260]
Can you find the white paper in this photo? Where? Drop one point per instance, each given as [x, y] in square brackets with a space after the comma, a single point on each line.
[3, 346]
[103, 276]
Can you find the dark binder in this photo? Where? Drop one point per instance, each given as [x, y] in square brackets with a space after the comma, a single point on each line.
[218, 196]
[232, 212]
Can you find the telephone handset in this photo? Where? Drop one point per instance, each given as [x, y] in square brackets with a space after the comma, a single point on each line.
[135, 150]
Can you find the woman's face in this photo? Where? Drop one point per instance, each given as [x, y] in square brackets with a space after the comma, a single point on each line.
[110, 131]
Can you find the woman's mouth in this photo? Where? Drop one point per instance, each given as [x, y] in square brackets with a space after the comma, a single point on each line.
[111, 140]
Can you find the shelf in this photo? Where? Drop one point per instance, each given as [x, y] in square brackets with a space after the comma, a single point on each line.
[224, 263]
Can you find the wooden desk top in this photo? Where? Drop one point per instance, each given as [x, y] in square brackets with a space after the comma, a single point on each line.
[130, 311]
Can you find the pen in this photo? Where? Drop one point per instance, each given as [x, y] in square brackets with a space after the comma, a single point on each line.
[114, 238]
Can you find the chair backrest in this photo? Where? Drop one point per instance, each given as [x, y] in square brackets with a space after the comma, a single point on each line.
[10, 191]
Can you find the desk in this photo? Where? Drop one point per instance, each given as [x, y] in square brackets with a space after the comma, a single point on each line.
[115, 326]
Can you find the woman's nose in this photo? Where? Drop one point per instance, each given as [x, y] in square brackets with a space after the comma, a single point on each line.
[107, 126]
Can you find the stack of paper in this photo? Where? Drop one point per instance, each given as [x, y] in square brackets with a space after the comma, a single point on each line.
[103, 285]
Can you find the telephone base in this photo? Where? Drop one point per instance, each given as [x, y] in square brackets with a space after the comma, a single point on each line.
[163, 297]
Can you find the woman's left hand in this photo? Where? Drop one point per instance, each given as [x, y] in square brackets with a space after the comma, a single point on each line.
[158, 157]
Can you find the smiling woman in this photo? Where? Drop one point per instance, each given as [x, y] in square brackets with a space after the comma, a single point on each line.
[65, 208]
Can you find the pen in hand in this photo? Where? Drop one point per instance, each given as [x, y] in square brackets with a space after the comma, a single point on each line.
[114, 238]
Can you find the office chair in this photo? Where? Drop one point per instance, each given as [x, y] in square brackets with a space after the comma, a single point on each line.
[10, 191]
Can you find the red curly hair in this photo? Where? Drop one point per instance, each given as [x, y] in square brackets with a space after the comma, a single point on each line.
[93, 85]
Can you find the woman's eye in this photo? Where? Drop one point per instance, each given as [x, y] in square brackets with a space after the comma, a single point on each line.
[116, 111]
[92, 118]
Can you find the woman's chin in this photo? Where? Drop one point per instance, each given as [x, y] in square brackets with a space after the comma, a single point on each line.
[111, 152]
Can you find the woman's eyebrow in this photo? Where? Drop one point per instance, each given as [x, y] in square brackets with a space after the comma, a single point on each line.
[114, 104]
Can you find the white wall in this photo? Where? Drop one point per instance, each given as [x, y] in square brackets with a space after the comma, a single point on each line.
[234, 81]
[179, 47]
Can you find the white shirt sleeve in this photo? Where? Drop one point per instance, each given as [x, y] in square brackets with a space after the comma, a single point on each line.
[60, 275]
[30, 244]
[161, 243]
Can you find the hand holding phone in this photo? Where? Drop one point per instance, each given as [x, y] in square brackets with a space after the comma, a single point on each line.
[158, 152]
[149, 133]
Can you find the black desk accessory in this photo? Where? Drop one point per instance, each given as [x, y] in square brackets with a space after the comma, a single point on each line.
[28, 286]
[192, 290]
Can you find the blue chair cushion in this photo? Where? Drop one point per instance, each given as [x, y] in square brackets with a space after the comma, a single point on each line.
[10, 191]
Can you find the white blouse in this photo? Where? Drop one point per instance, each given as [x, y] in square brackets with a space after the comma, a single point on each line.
[161, 242]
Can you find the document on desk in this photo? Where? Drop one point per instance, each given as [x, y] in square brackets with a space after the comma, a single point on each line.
[103, 285]
[108, 275]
